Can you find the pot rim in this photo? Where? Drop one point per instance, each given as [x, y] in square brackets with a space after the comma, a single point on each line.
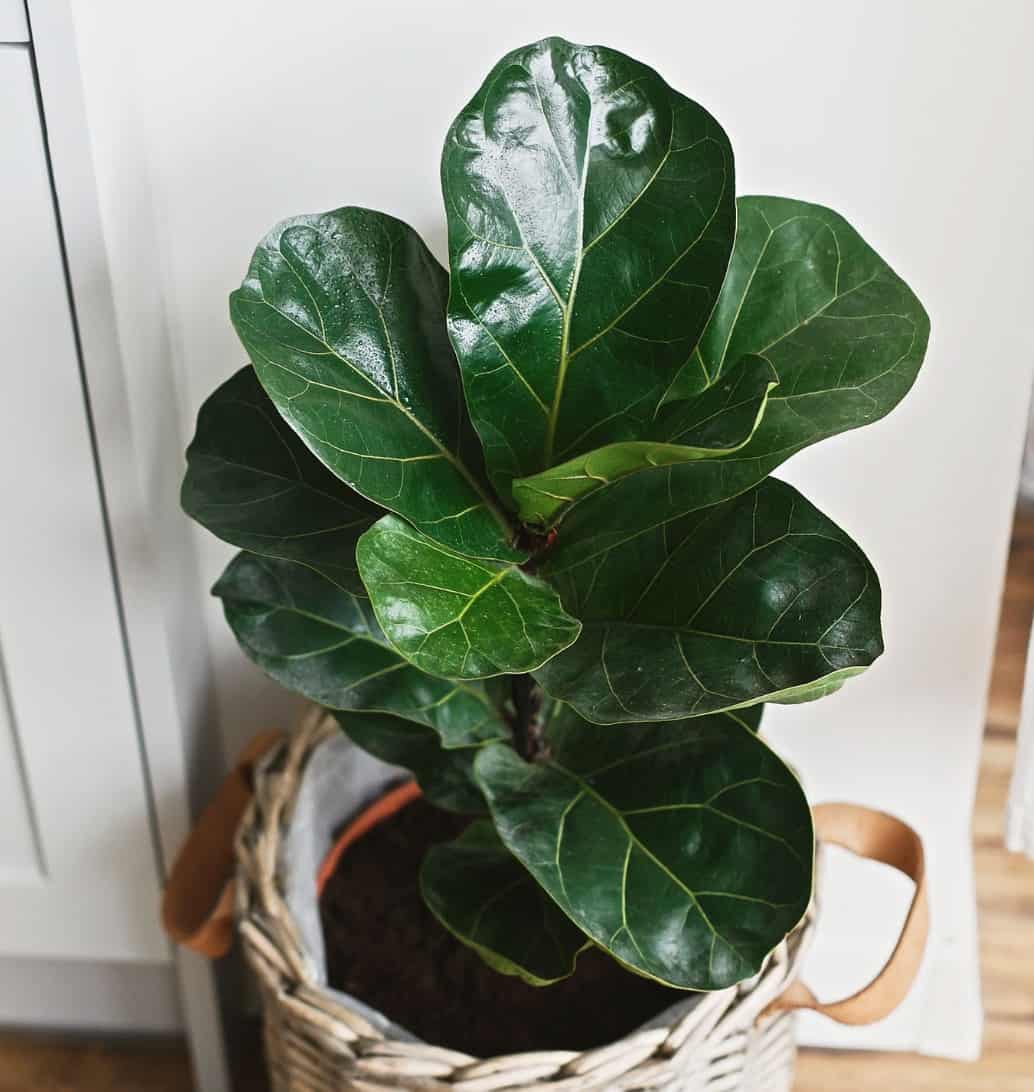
[373, 815]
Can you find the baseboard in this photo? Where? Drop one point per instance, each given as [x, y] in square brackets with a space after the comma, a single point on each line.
[72, 995]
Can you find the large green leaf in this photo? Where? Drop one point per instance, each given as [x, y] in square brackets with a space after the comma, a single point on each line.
[714, 424]
[485, 897]
[343, 316]
[591, 216]
[846, 335]
[684, 849]
[761, 598]
[456, 616]
[252, 482]
[445, 774]
[843, 331]
[324, 643]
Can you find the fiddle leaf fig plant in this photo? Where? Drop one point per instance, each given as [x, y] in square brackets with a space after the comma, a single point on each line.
[513, 522]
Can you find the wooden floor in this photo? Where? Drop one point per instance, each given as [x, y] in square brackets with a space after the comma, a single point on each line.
[1005, 885]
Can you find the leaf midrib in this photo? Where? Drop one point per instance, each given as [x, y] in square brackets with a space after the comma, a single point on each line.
[567, 308]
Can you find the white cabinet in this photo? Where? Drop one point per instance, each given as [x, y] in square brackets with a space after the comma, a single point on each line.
[14, 26]
[78, 871]
[104, 711]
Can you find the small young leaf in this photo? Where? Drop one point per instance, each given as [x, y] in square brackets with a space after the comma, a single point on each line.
[252, 482]
[446, 775]
[456, 616]
[761, 598]
[591, 216]
[684, 849]
[486, 898]
[323, 642]
[714, 424]
[343, 316]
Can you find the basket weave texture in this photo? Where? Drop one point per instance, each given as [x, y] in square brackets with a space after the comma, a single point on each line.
[316, 1043]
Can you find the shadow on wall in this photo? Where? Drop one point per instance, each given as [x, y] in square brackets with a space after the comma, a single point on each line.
[1027, 475]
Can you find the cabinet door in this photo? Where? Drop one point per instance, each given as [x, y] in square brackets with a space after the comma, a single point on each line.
[78, 875]
[14, 27]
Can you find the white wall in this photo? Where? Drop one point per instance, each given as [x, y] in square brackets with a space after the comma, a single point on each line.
[912, 118]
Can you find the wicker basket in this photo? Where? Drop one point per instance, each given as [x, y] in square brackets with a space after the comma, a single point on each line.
[318, 1040]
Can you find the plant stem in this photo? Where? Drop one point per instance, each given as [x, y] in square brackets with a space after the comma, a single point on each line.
[525, 706]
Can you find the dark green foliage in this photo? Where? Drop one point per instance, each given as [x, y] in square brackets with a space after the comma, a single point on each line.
[513, 522]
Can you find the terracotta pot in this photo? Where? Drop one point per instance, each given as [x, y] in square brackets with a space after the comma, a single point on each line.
[380, 811]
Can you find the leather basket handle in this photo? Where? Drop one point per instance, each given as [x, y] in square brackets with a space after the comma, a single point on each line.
[197, 905]
[875, 836]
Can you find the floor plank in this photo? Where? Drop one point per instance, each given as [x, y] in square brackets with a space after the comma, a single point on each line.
[29, 1063]
[1005, 891]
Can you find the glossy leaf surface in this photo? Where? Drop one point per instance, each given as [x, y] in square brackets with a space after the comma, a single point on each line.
[342, 315]
[456, 616]
[761, 598]
[486, 898]
[714, 424]
[844, 333]
[325, 643]
[445, 774]
[252, 482]
[684, 849]
[591, 216]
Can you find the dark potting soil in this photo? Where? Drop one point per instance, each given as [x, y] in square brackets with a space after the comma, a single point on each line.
[386, 948]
